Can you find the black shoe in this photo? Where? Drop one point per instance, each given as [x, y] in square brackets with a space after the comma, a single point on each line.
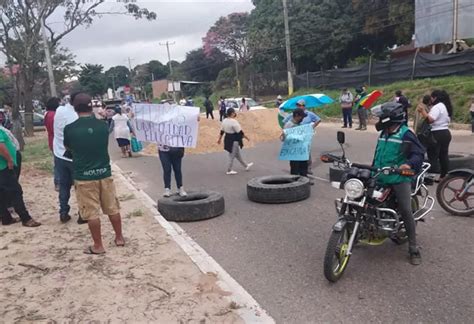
[64, 218]
[415, 258]
[81, 221]
[344, 127]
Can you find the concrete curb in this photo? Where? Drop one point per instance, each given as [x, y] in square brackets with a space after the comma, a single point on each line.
[250, 311]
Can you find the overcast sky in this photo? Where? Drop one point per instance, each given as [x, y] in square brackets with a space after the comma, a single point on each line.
[112, 39]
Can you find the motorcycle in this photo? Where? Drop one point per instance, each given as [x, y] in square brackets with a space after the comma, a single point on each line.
[455, 193]
[368, 212]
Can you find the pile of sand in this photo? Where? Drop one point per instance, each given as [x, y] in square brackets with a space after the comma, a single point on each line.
[259, 126]
[46, 276]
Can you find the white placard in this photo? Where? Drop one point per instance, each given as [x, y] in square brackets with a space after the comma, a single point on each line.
[171, 125]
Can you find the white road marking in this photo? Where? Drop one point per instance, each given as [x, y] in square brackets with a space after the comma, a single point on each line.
[250, 311]
[317, 178]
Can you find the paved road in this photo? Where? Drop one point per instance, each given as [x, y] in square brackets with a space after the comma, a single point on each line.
[276, 251]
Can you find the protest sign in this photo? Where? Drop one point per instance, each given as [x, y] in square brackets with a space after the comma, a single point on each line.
[297, 143]
[171, 125]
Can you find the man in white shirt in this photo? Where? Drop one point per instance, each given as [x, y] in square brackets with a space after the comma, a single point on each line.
[65, 115]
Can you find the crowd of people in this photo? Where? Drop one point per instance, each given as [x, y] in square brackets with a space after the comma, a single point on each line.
[432, 117]
[79, 144]
[78, 133]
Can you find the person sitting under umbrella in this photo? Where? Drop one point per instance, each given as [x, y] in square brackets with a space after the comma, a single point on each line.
[311, 117]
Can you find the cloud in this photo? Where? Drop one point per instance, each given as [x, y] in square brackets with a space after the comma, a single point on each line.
[112, 39]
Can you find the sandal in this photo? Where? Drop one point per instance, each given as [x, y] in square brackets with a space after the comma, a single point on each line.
[91, 251]
[31, 223]
[119, 245]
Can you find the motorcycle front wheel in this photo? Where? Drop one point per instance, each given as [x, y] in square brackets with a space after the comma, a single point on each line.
[336, 260]
[448, 195]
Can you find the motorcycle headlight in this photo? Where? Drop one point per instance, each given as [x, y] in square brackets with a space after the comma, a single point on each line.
[354, 188]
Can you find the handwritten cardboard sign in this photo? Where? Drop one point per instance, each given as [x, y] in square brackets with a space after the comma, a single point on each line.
[171, 125]
[297, 143]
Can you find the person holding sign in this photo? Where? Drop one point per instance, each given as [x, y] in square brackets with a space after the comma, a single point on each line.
[233, 141]
[298, 167]
[310, 118]
[170, 158]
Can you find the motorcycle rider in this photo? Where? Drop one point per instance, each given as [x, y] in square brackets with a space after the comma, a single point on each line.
[398, 146]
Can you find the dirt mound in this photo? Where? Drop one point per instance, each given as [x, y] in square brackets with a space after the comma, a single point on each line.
[259, 126]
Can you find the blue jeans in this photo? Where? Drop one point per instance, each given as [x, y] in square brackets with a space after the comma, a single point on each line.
[347, 115]
[56, 173]
[65, 170]
[172, 160]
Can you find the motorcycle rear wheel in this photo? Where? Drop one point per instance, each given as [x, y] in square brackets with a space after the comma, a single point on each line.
[445, 186]
[336, 260]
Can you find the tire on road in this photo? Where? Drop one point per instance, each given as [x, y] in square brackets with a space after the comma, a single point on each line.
[461, 161]
[195, 207]
[280, 189]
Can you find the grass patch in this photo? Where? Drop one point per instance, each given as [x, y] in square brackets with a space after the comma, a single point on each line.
[37, 154]
[460, 89]
[135, 213]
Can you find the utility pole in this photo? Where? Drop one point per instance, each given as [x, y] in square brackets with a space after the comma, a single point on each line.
[455, 25]
[113, 85]
[167, 44]
[130, 65]
[47, 54]
[289, 64]
[237, 73]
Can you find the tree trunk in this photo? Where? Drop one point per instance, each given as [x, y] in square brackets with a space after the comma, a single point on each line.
[17, 127]
[27, 94]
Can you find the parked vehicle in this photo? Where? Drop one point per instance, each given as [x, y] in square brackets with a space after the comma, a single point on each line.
[38, 119]
[455, 193]
[235, 103]
[368, 212]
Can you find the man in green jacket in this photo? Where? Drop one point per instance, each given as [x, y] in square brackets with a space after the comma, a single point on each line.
[11, 193]
[390, 152]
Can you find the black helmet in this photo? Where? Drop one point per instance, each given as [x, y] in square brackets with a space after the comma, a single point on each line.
[389, 113]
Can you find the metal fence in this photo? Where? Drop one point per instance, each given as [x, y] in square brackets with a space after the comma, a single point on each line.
[418, 65]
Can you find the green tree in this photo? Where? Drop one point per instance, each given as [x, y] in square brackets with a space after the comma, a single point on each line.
[325, 33]
[201, 67]
[20, 39]
[117, 76]
[92, 80]
[229, 35]
[158, 70]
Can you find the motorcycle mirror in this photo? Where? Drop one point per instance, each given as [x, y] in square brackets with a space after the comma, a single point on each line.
[341, 137]
[406, 148]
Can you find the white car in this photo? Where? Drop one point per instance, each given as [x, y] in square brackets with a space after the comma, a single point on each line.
[235, 103]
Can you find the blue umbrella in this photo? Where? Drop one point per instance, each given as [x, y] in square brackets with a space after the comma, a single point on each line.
[311, 101]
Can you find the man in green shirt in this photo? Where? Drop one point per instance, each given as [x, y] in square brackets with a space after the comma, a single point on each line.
[11, 193]
[87, 140]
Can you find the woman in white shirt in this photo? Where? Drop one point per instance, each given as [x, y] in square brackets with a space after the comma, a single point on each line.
[233, 141]
[122, 131]
[439, 117]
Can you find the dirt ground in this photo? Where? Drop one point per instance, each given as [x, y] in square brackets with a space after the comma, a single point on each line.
[259, 126]
[46, 276]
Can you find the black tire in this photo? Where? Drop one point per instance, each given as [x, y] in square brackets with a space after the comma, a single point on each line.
[401, 237]
[278, 189]
[195, 207]
[335, 173]
[461, 161]
[337, 245]
[443, 188]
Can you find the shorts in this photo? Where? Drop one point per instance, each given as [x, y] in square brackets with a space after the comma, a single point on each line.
[96, 195]
[123, 142]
